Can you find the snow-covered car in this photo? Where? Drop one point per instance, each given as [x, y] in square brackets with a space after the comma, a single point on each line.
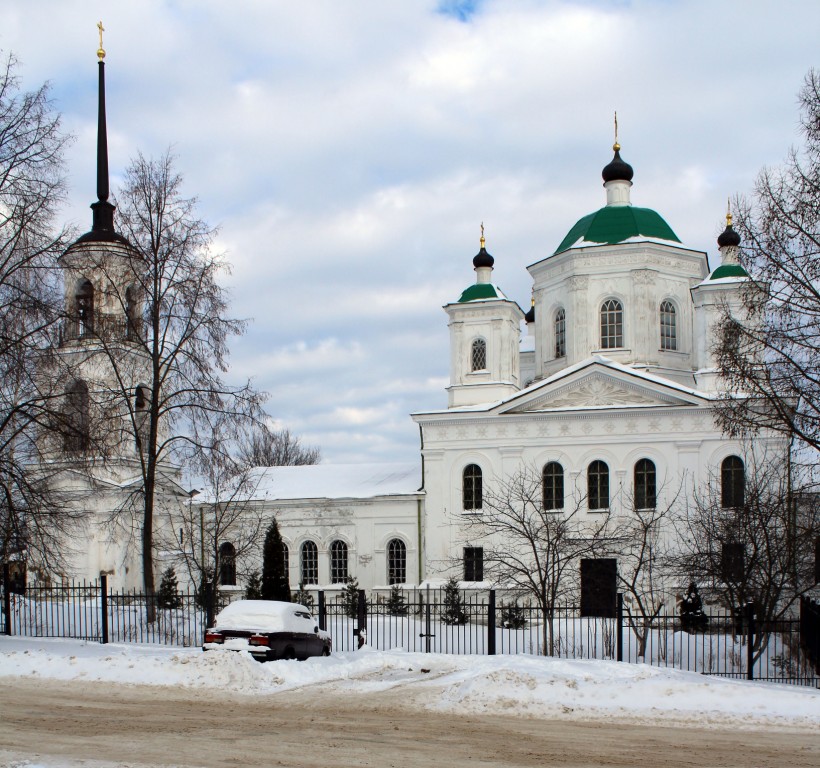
[268, 630]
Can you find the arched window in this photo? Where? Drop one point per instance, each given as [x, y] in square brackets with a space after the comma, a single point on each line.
[338, 562]
[309, 572]
[553, 476]
[76, 435]
[227, 564]
[669, 330]
[732, 482]
[472, 491]
[478, 356]
[598, 485]
[396, 562]
[84, 309]
[560, 333]
[645, 486]
[612, 324]
[142, 401]
[133, 321]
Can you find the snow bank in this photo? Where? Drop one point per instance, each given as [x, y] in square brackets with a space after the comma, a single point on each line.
[524, 686]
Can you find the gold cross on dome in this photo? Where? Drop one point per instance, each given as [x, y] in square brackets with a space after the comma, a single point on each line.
[100, 50]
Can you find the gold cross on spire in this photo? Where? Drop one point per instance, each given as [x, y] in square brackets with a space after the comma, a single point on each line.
[616, 146]
[100, 50]
[482, 234]
[728, 212]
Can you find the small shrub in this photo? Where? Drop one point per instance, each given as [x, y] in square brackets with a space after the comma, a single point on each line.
[396, 603]
[512, 616]
[453, 605]
[168, 595]
[253, 591]
[350, 597]
[303, 597]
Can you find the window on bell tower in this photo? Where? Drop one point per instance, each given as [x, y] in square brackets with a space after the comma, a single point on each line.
[478, 357]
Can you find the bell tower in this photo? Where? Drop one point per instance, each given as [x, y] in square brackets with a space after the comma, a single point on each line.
[98, 358]
[485, 328]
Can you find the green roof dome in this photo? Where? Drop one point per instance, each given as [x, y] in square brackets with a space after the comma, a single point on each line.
[480, 291]
[615, 224]
[728, 270]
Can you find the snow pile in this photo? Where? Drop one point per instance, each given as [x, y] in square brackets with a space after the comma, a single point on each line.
[525, 686]
[265, 616]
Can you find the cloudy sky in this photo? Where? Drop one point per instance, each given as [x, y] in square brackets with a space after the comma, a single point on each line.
[349, 150]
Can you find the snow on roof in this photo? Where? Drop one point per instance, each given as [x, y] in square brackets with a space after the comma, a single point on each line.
[337, 481]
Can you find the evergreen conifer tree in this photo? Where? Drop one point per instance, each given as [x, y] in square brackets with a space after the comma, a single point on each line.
[275, 585]
[254, 589]
[350, 597]
[453, 604]
[303, 597]
[168, 595]
[396, 603]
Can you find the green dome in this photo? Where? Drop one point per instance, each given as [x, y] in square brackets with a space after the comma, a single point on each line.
[480, 291]
[617, 223]
[728, 270]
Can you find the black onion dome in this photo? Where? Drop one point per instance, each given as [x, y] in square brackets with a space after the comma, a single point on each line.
[728, 237]
[530, 316]
[483, 259]
[618, 169]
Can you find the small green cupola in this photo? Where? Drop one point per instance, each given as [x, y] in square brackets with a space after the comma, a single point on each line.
[618, 221]
[729, 246]
[483, 289]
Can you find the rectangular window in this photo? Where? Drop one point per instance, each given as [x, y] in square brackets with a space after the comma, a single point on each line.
[473, 564]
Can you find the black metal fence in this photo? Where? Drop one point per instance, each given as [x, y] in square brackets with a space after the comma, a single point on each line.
[435, 621]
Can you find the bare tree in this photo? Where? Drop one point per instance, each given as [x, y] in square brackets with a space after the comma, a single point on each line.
[165, 361]
[269, 447]
[772, 364]
[35, 523]
[754, 545]
[646, 547]
[533, 550]
[217, 537]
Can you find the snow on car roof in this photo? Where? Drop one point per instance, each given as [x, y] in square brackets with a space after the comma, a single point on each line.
[268, 615]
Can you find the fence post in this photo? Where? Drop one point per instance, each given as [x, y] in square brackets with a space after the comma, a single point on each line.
[104, 607]
[322, 610]
[427, 624]
[491, 624]
[6, 599]
[619, 627]
[362, 618]
[750, 637]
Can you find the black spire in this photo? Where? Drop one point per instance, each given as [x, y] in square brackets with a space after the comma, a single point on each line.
[102, 228]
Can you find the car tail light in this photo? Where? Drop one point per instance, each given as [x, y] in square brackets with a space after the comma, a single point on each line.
[213, 637]
[258, 640]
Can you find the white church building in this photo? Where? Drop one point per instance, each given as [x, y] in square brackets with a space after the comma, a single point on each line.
[604, 388]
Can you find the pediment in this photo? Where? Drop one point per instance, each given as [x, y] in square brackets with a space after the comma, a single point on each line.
[596, 389]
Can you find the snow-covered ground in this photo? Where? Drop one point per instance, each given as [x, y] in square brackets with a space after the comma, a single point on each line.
[526, 686]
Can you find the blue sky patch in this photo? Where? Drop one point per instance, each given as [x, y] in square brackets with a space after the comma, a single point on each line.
[463, 10]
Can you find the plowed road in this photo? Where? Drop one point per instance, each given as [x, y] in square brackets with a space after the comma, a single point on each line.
[93, 724]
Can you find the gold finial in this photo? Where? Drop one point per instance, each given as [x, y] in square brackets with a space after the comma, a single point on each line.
[482, 241]
[728, 212]
[532, 301]
[616, 147]
[100, 50]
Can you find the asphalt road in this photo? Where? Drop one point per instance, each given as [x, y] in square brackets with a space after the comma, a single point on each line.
[49, 723]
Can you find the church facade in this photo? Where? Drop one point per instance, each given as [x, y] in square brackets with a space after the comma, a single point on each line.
[603, 392]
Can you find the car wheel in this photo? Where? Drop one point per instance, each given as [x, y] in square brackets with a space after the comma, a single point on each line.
[289, 653]
[325, 651]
